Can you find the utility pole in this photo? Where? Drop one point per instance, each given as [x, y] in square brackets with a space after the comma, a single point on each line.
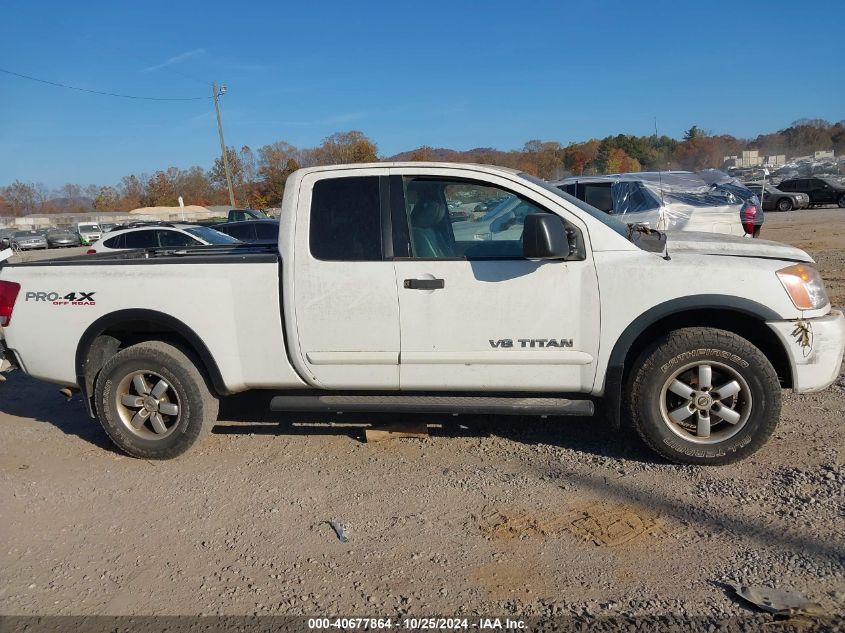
[216, 94]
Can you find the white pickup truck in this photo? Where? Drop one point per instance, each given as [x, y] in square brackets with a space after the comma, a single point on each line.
[370, 303]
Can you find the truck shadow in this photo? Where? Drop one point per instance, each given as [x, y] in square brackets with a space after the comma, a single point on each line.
[594, 435]
[24, 397]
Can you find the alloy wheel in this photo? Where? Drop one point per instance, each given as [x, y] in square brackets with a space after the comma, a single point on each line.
[148, 405]
[697, 411]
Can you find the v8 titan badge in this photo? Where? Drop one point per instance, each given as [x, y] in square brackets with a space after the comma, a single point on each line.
[57, 299]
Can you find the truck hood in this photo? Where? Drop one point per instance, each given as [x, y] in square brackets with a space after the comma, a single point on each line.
[731, 246]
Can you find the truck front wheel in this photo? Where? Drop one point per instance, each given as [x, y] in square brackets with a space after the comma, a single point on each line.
[703, 396]
[153, 401]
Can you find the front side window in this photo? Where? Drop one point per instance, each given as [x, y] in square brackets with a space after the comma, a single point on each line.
[346, 219]
[493, 230]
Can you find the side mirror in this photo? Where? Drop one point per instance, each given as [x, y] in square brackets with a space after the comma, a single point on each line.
[544, 237]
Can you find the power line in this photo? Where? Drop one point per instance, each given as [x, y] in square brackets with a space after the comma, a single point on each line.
[100, 92]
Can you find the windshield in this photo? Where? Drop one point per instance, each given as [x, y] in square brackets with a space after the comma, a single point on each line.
[89, 227]
[211, 236]
[26, 234]
[741, 192]
[496, 209]
[620, 227]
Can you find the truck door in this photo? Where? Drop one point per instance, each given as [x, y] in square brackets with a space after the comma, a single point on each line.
[345, 295]
[476, 315]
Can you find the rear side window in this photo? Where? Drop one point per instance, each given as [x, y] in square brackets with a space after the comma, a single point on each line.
[116, 242]
[140, 239]
[175, 238]
[346, 219]
[598, 195]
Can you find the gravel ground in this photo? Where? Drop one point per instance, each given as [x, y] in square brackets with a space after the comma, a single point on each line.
[493, 516]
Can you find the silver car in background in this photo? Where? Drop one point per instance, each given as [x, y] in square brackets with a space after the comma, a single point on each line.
[30, 240]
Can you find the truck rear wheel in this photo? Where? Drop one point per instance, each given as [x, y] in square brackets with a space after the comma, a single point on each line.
[153, 401]
[703, 396]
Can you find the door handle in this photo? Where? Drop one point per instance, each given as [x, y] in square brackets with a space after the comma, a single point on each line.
[424, 284]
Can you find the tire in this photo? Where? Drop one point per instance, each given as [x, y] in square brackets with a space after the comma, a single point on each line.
[186, 408]
[784, 204]
[841, 202]
[752, 397]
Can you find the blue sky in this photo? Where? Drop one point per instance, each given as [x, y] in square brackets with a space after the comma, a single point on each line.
[456, 74]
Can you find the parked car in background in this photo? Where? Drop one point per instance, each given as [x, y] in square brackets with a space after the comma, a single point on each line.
[503, 221]
[459, 213]
[250, 230]
[161, 235]
[820, 190]
[774, 199]
[6, 236]
[62, 238]
[240, 215]
[29, 240]
[673, 200]
[107, 226]
[88, 232]
[735, 192]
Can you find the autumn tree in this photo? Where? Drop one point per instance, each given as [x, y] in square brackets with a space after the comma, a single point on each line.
[346, 147]
[20, 197]
[161, 191]
[106, 199]
[276, 162]
[547, 158]
[618, 162]
[194, 187]
[133, 192]
[422, 153]
[217, 175]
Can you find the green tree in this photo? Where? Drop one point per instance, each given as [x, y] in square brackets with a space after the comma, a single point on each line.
[692, 134]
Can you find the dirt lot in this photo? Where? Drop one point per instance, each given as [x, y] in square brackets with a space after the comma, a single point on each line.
[489, 515]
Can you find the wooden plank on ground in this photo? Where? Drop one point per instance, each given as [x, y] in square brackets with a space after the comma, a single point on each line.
[397, 430]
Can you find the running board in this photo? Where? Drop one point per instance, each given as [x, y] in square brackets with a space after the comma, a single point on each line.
[433, 404]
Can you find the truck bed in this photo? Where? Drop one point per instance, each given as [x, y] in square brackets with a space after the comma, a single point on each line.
[232, 312]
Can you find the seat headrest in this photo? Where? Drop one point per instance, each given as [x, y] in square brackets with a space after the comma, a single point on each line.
[429, 208]
[427, 213]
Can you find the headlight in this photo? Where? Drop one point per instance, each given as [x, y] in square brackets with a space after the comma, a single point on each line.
[804, 286]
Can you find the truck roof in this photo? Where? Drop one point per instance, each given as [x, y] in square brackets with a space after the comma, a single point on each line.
[477, 166]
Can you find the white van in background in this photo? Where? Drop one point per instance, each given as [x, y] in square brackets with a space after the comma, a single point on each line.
[89, 232]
